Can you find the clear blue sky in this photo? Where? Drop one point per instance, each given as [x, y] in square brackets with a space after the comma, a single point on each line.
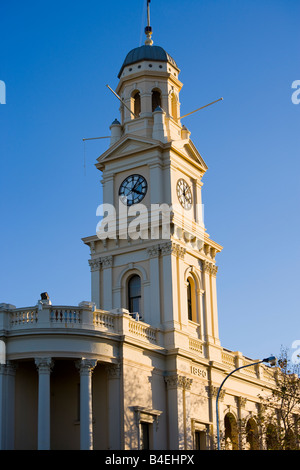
[56, 58]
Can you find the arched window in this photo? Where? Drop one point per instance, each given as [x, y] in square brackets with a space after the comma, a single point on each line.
[252, 435]
[289, 440]
[134, 294]
[271, 437]
[231, 432]
[156, 99]
[174, 109]
[191, 299]
[136, 103]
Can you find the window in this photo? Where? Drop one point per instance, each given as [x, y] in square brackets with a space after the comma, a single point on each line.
[147, 424]
[252, 435]
[174, 111]
[231, 432]
[136, 103]
[144, 438]
[156, 99]
[134, 294]
[200, 440]
[189, 301]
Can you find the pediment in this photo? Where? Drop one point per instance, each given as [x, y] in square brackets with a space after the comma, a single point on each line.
[189, 150]
[127, 145]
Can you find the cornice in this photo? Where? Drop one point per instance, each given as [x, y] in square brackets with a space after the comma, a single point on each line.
[148, 74]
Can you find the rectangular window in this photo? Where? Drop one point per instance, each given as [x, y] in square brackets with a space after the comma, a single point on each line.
[145, 442]
[200, 440]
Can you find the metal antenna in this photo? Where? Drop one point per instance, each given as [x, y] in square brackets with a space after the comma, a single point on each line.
[192, 112]
[148, 12]
[121, 100]
[148, 29]
[95, 138]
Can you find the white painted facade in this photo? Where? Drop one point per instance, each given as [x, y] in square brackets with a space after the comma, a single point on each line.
[97, 376]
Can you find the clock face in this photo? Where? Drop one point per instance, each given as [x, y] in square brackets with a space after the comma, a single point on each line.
[184, 194]
[133, 189]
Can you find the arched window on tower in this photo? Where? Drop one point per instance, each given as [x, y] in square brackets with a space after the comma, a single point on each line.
[134, 294]
[136, 103]
[156, 99]
[191, 300]
[174, 107]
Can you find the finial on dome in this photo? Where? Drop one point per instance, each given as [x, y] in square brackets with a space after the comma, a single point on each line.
[148, 29]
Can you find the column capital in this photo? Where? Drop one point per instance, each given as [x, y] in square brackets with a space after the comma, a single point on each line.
[213, 392]
[86, 366]
[44, 364]
[169, 248]
[153, 251]
[178, 381]
[9, 368]
[241, 401]
[95, 264]
[113, 371]
[107, 261]
[209, 268]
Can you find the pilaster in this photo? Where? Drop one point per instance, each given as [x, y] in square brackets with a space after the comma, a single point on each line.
[95, 265]
[107, 263]
[155, 317]
[114, 406]
[178, 391]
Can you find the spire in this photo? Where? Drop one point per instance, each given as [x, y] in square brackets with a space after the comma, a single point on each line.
[148, 29]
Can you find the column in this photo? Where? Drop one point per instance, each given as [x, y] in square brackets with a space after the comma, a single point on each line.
[86, 367]
[10, 405]
[2, 405]
[7, 405]
[44, 366]
[114, 406]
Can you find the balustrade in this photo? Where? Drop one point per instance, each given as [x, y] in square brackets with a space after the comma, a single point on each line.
[23, 317]
[65, 315]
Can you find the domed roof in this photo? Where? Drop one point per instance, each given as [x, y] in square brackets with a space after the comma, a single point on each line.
[147, 52]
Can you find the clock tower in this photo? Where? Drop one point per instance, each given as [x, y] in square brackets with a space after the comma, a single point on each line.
[152, 255]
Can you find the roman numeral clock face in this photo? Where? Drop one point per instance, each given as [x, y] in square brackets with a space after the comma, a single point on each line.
[184, 194]
[133, 189]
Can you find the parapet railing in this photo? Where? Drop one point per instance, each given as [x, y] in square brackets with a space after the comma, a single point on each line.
[84, 316]
[45, 316]
[235, 359]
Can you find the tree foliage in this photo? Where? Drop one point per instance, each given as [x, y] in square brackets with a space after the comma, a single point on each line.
[280, 410]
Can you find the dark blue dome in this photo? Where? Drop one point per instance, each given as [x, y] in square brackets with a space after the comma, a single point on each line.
[154, 53]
